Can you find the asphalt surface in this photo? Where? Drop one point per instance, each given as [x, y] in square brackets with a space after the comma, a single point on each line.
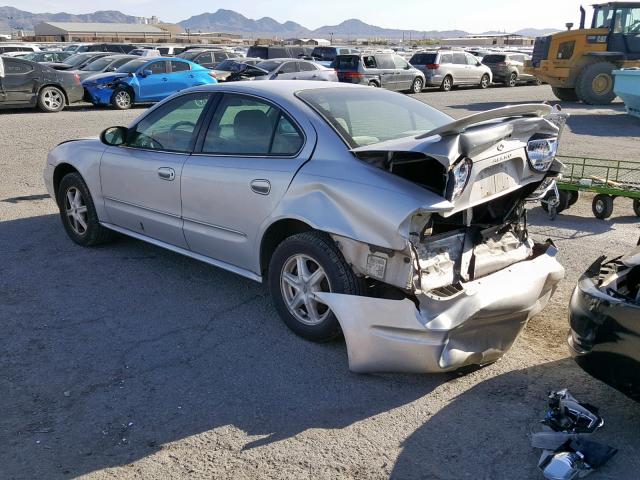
[129, 361]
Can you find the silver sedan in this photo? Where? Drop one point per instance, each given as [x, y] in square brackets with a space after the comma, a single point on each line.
[366, 212]
[293, 69]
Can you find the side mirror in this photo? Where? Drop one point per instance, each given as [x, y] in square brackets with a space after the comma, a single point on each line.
[147, 73]
[114, 136]
[111, 69]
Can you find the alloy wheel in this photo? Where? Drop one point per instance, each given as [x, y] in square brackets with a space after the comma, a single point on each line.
[300, 279]
[417, 86]
[52, 99]
[123, 99]
[484, 83]
[76, 210]
[512, 80]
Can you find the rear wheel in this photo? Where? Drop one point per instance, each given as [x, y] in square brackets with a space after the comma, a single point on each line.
[485, 81]
[373, 83]
[417, 85]
[301, 266]
[574, 196]
[447, 84]
[636, 206]
[122, 99]
[565, 94]
[602, 206]
[512, 81]
[51, 99]
[595, 84]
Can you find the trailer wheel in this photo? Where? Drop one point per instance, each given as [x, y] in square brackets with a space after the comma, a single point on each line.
[595, 84]
[574, 196]
[636, 206]
[602, 206]
[552, 205]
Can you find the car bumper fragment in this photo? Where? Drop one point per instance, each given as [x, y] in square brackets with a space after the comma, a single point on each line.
[476, 326]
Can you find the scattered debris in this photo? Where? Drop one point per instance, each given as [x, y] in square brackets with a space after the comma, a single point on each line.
[67, 393]
[567, 451]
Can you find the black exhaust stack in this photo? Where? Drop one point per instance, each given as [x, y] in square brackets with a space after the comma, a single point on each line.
[583, 16]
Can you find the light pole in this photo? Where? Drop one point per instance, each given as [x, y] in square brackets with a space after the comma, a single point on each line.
[331, 34]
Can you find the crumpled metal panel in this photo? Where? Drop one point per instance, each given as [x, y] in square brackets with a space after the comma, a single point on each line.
[474, 327]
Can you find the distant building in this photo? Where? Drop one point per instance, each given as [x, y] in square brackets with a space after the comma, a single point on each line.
[496, 40]
[309, 41]
[99, 32]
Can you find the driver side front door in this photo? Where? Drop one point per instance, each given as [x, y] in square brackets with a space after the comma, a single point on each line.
[141, 180]
[152, 87]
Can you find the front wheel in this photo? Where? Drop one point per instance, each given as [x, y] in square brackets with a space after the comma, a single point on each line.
[417, 85]
[512, 81]
[51, 99]
[301, 266]
[122, 99]
[447, 84]
[485, 81]
[78, 212]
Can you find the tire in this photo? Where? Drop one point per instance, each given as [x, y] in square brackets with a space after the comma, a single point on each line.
[485, 81]
[602, 206]
[574, 196]
[594, 85]
[311, 249]
[512, 81]
[636, 206]
[373, 83]
[565, 94]
[417, 85]
[51, 100]
[92, 233]
[536, 82]
[564, 201]
[122, 99]
[447, 84]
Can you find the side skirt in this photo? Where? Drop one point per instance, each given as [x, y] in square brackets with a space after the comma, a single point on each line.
[188, 253]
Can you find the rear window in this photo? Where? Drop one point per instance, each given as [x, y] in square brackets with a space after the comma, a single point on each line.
[367, 116]
[423, 59]
[325, 54]
[494, 59]
[258, 52]
[346, 62]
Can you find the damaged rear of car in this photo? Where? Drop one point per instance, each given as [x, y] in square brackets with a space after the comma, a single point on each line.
[604, 314]
[452, 276]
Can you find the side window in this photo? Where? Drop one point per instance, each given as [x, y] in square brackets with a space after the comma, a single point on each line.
[400, 62]
[172, 127]
[49, 57]
[369, 61]
[446, 58]
[248, 126]
[630, 20]
[157, 67]
[459, 59]
[306, 67]
[205, 58]
[179, 66]
[12, 67]
[385, 61]
[288, 67]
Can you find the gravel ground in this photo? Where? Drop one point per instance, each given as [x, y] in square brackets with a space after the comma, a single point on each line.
[128, 361]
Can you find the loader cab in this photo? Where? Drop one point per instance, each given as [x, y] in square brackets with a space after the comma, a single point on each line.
[623, 22]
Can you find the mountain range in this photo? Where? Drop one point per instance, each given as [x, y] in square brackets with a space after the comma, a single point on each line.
[230, 21]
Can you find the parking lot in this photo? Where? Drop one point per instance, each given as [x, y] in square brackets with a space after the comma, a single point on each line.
[128, 361]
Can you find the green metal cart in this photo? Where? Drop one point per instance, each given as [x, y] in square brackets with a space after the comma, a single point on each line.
[608, 179]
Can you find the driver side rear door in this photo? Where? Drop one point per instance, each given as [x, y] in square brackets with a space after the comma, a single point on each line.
[141, 180]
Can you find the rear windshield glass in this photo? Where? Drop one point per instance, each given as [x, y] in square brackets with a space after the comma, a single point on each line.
[346, 62]
[423, 59]
[365, 116]
[324, 54]
[259, 52]
[494, 59]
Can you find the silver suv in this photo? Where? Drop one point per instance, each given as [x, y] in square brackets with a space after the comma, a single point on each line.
[448, 68]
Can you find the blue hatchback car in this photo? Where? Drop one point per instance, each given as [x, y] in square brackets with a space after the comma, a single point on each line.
[145, 81]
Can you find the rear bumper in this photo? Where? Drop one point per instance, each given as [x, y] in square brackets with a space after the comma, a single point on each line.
[433, 79]
[75, 93]
[476, 326]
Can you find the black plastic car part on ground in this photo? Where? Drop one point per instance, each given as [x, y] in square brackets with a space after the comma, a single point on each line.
[605, 322]
[30, 84]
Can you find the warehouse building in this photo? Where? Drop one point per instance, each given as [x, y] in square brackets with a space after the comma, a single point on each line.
[100, 32]
[496, 40]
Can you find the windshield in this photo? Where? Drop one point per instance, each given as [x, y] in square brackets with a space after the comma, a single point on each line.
[131, 66]
[97, 65]
[602, 17]
[76, 59]
[364, 116]
[269, 65]
[324, 54]
[189, 55]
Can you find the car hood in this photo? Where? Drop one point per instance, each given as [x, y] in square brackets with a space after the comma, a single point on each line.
[105, 77]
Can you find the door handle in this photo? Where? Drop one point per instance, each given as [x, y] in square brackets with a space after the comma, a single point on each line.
[164, 79]
[166, 173]
[261, 186]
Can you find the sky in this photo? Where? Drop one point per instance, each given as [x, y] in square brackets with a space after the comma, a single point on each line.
[469, 15]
